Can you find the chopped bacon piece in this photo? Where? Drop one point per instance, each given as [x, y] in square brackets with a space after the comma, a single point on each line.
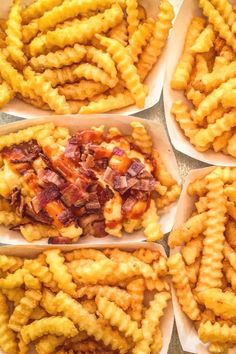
[42, 216]
[88, 136]
[72, 194]
[109, 175]
[59, 240]
[22, 153]
[49, 176]
[93, 224]
[120, 182]
[104, 194]
[72, 150]
[117, 151]
[128, 205]
[135, 168]
[147, 185]
[17, 201]
[101, 164]
[46, 195]
[66, 217]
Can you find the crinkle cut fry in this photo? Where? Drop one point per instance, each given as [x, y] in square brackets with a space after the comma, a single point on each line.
[14, 34]
[151, 321]
[211, 102]
[121, 297]
[152, 228]
[6, 94]
[7, 336]
[92, 72]
[118, 318]
[182, 115]
[78, 32]
[184, 293]
[82, 90]
[218, 22]
[226, 10]
[58, 59]
[210, 272]
[49, 95]
[24, 135]
[37, 9]
[77, 313]
[126, 68]
[70, 9]
[102, 60]
[24, 309]
[59, 270]
[156, 43]
[48, 344]
[184, 67]
[132, 15]
[57, 325]
[205, 136]
[217, 332]
[108, 103]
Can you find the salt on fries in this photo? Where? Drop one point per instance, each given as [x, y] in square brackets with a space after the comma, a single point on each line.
[96, 182]
[76, 309]
[204, 270]
[105, 49]
[206, 73]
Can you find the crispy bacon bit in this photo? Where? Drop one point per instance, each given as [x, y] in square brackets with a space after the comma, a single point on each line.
[101, 164]
[144, 175]
[147, 185]
[42, 216]
[45, 159]
[72, 150]
[117, 151]
[59, 240]
[130, 183]
[72, 194]
[46, 195]
[135, 168]
[88, 136]
[99, 228]
[120, 182]
[93, 224]
[49, 176]
[104, 195]
[128, 205]
[66, 217]
[22, 153]
[109, 175]
[139, 195]
[17, 200]
[94, 205]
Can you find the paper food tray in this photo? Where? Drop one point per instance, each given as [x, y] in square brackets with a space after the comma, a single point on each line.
[160, 142]
[188, 10]
[154, 80]
[187, 333]
[167, 320]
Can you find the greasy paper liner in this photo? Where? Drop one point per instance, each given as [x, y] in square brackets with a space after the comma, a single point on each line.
[188, 10]
[187, 333]
[154, 80]
[167, 320]
[160, 143]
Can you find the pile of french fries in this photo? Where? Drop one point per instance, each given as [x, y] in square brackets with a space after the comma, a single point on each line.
[125, 209]
[83, 301]
[206, 73]
[204, 270]
[86, 56]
